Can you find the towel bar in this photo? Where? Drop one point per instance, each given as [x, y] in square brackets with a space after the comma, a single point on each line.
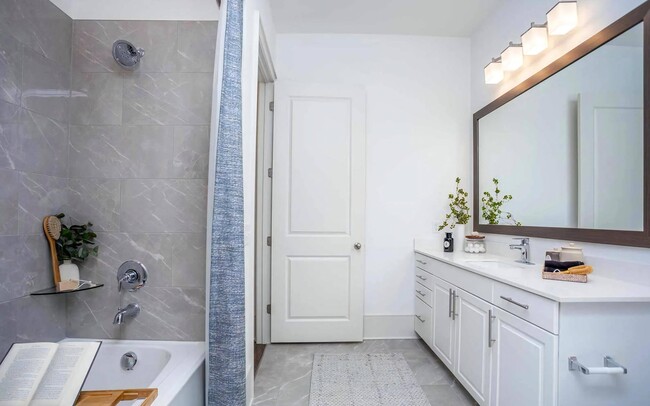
[610, 367]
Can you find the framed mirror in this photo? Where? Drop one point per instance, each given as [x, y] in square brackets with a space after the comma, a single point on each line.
[566, 154]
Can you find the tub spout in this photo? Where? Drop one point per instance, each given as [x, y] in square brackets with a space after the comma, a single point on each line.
[132, 310]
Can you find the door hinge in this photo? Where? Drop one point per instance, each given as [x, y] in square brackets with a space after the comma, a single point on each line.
[268, 308]
[268, 241]
[269, 172]
[272, 106]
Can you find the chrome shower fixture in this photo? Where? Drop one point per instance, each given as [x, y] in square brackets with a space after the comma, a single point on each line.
[126, 54]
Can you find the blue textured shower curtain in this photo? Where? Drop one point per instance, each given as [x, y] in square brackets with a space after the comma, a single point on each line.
[226, 320]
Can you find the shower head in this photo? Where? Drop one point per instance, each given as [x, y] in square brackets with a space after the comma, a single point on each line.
[126, 54]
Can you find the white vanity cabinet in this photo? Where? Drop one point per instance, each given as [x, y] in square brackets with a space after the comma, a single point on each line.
[509, 344]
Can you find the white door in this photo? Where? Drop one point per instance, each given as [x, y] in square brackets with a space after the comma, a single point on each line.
[318, 205]
[610, 158]
[474, 345]
[443, 321]
[524, 363]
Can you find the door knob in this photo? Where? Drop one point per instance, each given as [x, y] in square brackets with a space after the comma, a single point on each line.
[357, 246]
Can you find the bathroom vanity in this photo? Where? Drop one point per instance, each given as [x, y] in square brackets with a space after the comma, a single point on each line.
[513, 338]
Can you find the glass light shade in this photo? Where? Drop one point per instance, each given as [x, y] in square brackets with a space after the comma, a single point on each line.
[535, 40]
[562, 18]
[493, 73]
[512, 58]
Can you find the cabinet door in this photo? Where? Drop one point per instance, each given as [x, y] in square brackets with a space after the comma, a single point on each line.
[524, 363]
[473, 351]
[443, 321]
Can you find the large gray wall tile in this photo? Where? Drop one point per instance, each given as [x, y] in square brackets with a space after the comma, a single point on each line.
[42, 146]
[96, 99]
[163, 205]
[95, 152]
[40, 25]
[11, 60]
[96, 201]
[8, 330]
[191, 152]
[40, 196]
[45, 320]
[93, 44]
[45, 86]
[24, 266]
[188, 260]
[9, 134]
[149, 151]
[9, 203]
[196, 46]
[167, 98]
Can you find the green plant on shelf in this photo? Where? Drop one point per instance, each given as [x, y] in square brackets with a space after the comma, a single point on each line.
[458, 209]
[492, 207]
[77, 242]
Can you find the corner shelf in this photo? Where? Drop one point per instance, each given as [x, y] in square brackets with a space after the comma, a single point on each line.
[53, 291]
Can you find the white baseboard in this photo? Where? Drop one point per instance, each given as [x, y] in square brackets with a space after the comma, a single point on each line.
[388, 327]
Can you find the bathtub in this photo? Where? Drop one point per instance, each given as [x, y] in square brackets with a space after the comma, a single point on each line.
[176, 368]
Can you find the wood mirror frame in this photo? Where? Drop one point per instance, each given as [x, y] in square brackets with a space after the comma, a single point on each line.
[640, 14]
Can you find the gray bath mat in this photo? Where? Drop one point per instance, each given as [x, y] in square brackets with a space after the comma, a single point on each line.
[364, 380]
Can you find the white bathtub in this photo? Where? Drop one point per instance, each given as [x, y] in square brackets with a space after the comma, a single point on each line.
[176, 368]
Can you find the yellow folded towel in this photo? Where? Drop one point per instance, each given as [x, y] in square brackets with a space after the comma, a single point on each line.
[579, 270]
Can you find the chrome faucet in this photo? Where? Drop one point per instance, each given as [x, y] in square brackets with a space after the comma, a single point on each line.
[131, 311]
[524, 247]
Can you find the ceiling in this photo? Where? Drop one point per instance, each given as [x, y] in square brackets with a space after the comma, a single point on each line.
[447, 18]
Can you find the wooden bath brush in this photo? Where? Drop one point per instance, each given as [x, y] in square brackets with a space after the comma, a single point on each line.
[52, 228]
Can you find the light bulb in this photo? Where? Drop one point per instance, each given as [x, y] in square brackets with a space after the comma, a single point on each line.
[562, 18]
[512, 57]
[535, 40]
[493, 72]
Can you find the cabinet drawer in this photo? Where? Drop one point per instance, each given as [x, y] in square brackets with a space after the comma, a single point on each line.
[538, 310]
[424, 278]
[422, 320]
[423, 293]
[422, 262]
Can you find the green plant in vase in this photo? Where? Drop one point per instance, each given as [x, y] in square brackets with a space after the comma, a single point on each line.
[76, 243]
[458, 209]
[491, 207]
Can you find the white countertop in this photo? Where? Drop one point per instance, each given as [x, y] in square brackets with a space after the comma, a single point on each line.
[529, 278]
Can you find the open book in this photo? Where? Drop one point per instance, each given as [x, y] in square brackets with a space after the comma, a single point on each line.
[45, 374]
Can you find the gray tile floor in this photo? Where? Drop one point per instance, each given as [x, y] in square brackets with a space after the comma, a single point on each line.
[284, 375]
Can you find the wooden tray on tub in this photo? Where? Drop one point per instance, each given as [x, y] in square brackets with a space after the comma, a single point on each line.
[114, 397]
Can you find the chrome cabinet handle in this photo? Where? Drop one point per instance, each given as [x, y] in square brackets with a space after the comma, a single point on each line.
[420, 262]
[491, 317]
[420, 293]
[421, 277]
[419, 318]
[509, 299]
[610, 367]
[357, 246]
[450, 299]
[453, 302]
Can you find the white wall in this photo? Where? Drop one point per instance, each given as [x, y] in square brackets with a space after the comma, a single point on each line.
[417, 142]
[180, 10]
[506, 24]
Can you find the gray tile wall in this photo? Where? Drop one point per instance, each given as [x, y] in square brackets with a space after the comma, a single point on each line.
[35, 52]
[138, 164]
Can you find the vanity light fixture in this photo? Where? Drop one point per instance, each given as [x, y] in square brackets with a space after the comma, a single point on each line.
[562, 18]
[512, 57]
[535, 40]
[494, 72]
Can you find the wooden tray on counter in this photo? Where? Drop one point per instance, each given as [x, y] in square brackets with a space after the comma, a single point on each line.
[114, 397]
[556, 276]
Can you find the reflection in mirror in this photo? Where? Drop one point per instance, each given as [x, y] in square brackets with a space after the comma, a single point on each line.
[570, 150]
